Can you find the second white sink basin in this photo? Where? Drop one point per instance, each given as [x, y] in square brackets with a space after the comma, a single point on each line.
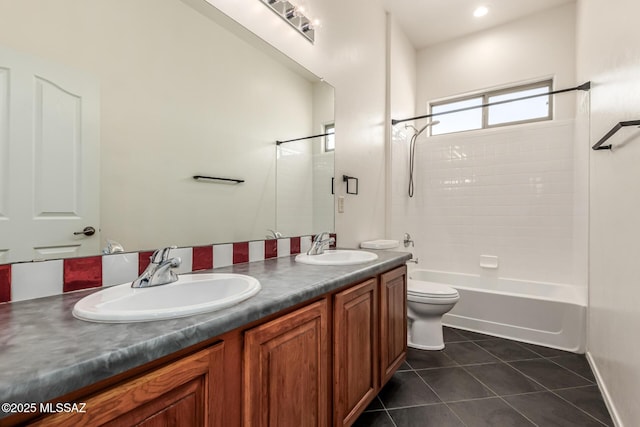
[191, 294]
[337, 257]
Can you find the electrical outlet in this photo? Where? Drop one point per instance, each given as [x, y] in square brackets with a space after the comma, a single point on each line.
[340, 204]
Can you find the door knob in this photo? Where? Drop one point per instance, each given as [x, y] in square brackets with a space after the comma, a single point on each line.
[87, 231]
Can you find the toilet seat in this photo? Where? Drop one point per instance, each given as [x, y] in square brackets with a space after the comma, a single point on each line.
[419, 288]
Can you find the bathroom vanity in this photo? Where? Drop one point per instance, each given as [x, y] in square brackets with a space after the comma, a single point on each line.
[313, 348]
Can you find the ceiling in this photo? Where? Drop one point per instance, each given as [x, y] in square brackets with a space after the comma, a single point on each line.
[428, 22]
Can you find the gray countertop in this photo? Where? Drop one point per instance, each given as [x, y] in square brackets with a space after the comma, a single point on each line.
[46, 353]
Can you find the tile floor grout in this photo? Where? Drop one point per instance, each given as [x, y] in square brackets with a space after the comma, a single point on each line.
[545, 388]
[498, 361]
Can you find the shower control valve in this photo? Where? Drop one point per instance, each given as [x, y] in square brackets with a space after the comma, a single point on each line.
[407, 240]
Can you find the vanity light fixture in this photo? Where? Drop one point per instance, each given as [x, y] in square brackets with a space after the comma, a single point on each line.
[294, 16]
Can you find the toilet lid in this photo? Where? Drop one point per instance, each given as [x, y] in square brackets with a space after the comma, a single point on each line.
[430, 289]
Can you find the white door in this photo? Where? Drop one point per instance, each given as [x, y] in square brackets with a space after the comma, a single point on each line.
[49, 159]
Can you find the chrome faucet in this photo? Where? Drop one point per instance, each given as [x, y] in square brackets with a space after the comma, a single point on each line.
[320, 242]
[273, 234]
[159, 271]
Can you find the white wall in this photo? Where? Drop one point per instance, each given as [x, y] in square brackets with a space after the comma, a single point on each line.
[507, 192]
[323, 161]
[180, 95]
[538, 46]
[609, 56]
[401, 81]
[304, 170]
[349, 53]
[294, 192]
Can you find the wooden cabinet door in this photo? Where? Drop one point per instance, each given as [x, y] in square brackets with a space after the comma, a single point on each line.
[393, 321]
[286, 370]
[355, 351]
[183, 393]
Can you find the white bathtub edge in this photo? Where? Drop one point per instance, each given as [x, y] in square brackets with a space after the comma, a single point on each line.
[571, 294]
[508, 331]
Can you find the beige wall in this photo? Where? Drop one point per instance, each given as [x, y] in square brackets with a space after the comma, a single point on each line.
[609, 56]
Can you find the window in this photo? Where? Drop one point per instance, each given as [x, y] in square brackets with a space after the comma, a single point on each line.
[533, 109]
[330, 140]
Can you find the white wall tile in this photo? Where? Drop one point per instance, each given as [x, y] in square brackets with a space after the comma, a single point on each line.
[305, 244]
[284, 247]
[516, 204]
[222, 255]
[119, 268]
[186, 256]
[36, 279]
[256, 251]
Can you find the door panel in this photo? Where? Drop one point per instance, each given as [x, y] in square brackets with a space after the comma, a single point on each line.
[57, 151]
[49, 159]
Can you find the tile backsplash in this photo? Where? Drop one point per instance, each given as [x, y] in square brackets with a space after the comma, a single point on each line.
[30, 280]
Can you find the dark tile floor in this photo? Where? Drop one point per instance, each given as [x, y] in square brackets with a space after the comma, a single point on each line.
[479, 380]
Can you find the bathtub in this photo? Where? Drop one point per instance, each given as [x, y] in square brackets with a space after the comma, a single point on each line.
[547, 314]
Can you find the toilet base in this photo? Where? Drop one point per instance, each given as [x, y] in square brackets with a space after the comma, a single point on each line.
[424, 347]
[426, 334]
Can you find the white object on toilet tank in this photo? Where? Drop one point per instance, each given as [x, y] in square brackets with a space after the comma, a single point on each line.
[380, 244]
[488, 261]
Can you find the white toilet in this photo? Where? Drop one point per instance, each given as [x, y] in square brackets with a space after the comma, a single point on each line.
[427, 302]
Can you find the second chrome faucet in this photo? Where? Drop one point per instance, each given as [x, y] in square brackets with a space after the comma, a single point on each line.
[321, 241]
[160, 270]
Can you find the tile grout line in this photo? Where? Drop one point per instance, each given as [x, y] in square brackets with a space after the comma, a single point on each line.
[550, 359]
[546, 389]
[580, 409]
[386, 411]
[493, 391]
[499, 360]
[500, 396]
[438, 396]
[554, 393]
[570, 370]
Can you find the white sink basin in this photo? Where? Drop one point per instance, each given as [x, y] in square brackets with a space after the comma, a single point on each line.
[337, 257]
[191, 294]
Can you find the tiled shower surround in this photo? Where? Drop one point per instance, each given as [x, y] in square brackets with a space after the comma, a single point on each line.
[507, 192]
[29, 280]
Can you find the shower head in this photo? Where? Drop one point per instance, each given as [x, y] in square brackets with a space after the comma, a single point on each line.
[418, 132]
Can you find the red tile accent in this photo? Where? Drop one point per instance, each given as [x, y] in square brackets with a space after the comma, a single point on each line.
[202, 258]
[240, 252]
[270, 248]
[82, 273]
[144, 259]
[5, 283]
[295, 245]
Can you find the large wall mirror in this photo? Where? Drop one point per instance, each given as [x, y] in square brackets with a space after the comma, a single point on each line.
[305, 172]
[109, 108]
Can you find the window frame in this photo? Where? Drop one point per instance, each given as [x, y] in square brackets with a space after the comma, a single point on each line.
[548, 83]
[325, 139]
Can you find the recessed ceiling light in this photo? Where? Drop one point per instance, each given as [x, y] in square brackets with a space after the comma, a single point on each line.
[480, 11]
